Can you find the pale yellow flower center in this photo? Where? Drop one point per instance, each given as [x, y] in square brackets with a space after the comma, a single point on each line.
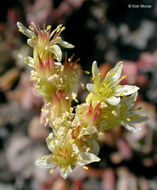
[64, 156]
[107, 88]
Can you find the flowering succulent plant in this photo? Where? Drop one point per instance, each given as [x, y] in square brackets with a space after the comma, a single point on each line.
[75, 130]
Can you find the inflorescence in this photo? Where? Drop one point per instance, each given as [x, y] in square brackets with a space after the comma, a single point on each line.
[74, 137]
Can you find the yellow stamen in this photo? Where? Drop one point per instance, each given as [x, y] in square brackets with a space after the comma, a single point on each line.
[93, 78]
[32, 23]
[119, 86]
[121, 94]
[74, 95]
[59, 26]
[123, 77]
[71, 109]
[43, 158]
[99, 74]
[103, 105]
[34, 38]
[62, 68]
[53, 142]
[71, 140]
[58, 38]
[61, 80]
[114, 113]
[31, 28]
[63, 28]
[139, 108]
[48, 27]
[88, 149]
[51, 171]
[21, 30]
[108, 74]
[113, 74]
[78, 158]
[82, 85]
[87, 72]
[63, 169]
[85, 167]
[101, 133]
[69, 60]
[128, 119]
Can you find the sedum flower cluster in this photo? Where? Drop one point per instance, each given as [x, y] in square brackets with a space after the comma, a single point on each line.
[75, 130]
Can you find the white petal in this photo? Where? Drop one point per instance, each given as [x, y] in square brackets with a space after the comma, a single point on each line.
[87, 158]
[64, 43]
[55, 49]
[49, 140]
[89, 98]
[94, 147]
[90, 87]
[31, 42]
[29, 60]
[116, 71]
[130, 127]
[127, 89]
[139, 119]
[58, 63]
[87, 131]
[25, 30]
[67, 171]
[113, 100]
[95, 70]
[130, 100]
[46, 163]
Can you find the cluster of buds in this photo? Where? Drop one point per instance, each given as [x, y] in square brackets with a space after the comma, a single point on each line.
[75, 130]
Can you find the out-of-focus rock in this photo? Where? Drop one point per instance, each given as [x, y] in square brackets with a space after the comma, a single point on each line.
[25, 94]
[60, 184]
[108, 180]
[126, 180]
[6, 187]
[36, 130]
[124, 149]
[91, 183]
[8, 79]
[130, 70]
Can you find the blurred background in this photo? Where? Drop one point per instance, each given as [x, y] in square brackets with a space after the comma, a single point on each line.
[104, 30]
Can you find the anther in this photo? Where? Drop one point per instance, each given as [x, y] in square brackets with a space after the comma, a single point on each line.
[63, 169]
[108, 74]
[48, 27]
[114, 113]
[63, 28]
[51, 171]
[123, 77]
[85, 167]
[43, 158]
[121, 94]
[31, 28]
